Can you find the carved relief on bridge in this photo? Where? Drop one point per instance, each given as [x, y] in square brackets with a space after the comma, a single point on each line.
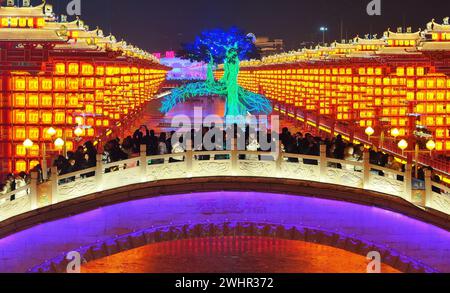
[122, 178]
[166, 171]
[211, 168]
[344, 177]
[77, 188]
[16, 207]
[386, 185]
[441, 202]
[256, 168]
[300, 171]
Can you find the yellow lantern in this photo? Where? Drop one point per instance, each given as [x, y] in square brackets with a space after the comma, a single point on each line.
[59, 143]
[28, 143]
[431, 145]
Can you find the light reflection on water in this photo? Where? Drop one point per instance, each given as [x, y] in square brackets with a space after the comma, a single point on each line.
[233, 255]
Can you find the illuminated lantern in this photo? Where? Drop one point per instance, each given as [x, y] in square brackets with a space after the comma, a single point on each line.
[19, 100]
[79, 120]
[13, 22]
[73, 68]
[46, 100]
[5, 22]
[60, 69]
[21, 166]
[19, 83]
[40, 22]
[47, 117]
[87, 69]
[33, 84]
[33, 133]
[46, 84]
[33, 100]
[21, 151]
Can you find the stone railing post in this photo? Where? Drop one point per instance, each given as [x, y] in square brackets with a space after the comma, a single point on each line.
[189, 158]
[428, 189]
[366, 169]
[408, 182]
[54, 182]
[99, 172]
[143, 163]
[279, 160]
[234, 158]
[34, 191]
[323, 163]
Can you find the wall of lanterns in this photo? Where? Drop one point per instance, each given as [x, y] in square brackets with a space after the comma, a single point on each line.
[366, 82]
[60, 90]
[91, 95]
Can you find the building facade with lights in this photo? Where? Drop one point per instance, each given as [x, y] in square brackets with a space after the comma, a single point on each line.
[62, 80]
[401, 80]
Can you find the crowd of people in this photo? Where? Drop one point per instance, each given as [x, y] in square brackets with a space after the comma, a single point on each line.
[85, 156]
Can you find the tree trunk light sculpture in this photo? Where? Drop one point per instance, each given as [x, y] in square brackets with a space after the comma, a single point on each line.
[214, 47]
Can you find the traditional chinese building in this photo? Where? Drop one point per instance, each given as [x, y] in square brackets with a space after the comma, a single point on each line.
[60, 75]
[401, 79]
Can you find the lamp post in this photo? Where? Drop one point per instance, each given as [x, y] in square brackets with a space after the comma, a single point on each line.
[323, 29]
[403, 145]
[395, 133]
[51, 132]
[59, 143]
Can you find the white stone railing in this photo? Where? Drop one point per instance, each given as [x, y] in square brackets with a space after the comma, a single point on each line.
[192, 164]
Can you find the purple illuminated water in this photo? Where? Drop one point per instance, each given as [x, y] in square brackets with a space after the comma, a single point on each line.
[413, 238]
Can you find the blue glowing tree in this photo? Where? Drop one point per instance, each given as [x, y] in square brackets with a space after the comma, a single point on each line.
[215, 47]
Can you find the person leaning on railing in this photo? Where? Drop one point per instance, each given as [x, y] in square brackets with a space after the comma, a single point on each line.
[3, 189]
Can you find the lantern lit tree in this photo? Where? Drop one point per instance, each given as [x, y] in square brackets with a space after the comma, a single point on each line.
[216, 47]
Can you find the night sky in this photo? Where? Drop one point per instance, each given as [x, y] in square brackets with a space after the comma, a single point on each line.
[164, 24]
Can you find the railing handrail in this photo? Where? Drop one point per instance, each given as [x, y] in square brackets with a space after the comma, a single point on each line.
[234, 164]
[387, 170]
[76, 173]
[14, 192]
[442, 187]
[122, 162]
[346, 162]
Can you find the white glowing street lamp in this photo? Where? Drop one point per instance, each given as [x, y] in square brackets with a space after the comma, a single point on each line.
[403, 145]
[369, 131]
[51, 132]
[395, 132]
[78, 131]
[59, 143]
[28, 143]
[323, 29]
[430, 145]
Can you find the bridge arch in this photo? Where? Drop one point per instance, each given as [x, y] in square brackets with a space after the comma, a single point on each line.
[156, 235]
[109, 216]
